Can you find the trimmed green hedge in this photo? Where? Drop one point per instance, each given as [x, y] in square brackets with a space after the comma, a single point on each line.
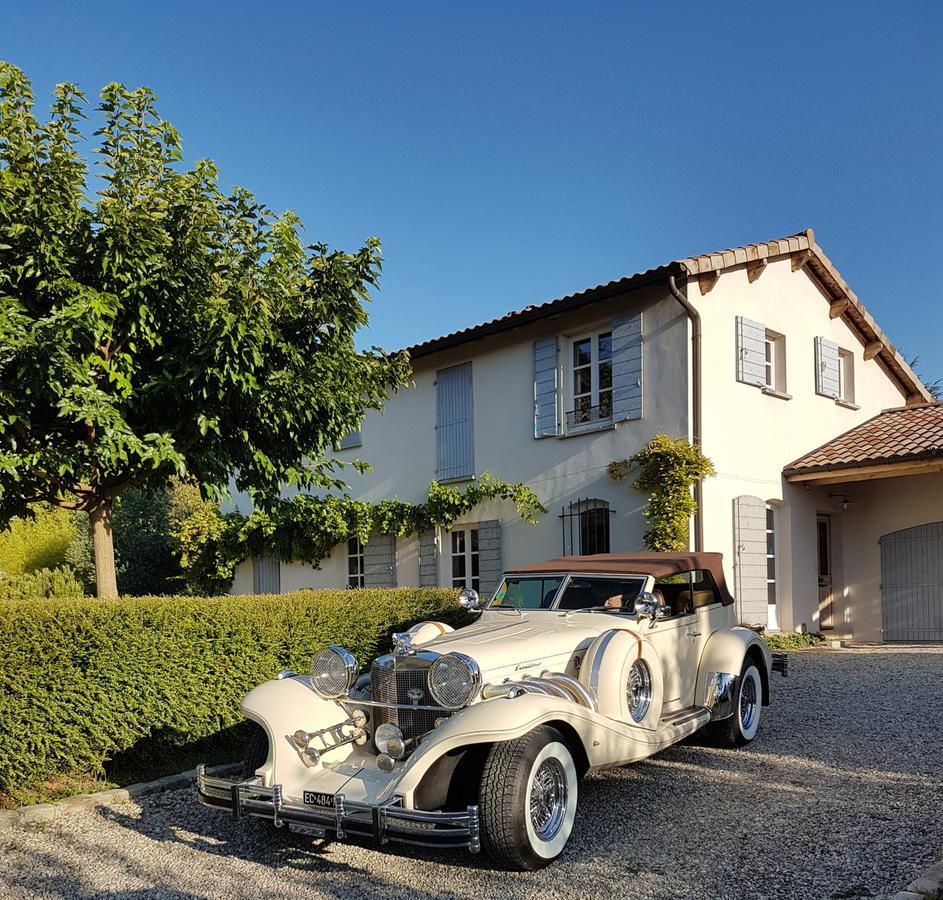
[82, 681]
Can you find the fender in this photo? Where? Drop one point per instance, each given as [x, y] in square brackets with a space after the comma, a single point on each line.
[725, 651]
[281, 707]
[606, 742]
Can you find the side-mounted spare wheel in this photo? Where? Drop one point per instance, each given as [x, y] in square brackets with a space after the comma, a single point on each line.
[528, 799]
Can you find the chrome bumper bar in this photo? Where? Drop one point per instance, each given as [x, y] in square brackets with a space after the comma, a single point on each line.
[389, 822]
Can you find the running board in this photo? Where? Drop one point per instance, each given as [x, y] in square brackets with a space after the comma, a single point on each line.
[681, 717]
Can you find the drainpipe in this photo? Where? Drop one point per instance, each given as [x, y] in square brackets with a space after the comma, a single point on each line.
[695, 318]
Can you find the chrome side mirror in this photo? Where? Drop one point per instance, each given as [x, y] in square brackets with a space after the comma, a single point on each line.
[663, 612]
[469, 599]
[646, 606]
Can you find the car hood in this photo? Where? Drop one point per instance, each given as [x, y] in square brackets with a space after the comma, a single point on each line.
[504, 643]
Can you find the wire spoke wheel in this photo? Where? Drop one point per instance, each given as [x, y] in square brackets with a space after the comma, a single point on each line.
[548, 799]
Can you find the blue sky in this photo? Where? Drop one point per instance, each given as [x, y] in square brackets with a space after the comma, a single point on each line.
[512, 153]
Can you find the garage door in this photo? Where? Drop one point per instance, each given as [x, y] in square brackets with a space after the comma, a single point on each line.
[912, 583]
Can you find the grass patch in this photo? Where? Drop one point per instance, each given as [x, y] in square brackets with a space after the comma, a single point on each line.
[793, 642]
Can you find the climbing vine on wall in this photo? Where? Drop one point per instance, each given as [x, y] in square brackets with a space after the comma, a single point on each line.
[306, 528]
[666, 469]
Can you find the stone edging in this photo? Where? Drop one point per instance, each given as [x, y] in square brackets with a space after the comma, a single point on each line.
[43, 813]
[930, 884]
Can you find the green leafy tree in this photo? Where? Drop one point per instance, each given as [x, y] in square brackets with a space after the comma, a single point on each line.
[159, 326]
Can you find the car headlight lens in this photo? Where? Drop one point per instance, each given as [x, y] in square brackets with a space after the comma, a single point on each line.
[333, 672]
[638, 690]
[389, 740]
[454, 680]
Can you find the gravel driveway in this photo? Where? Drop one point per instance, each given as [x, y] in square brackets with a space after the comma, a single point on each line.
[840, 796]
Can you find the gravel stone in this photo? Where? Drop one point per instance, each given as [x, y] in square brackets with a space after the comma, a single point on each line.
[839, 796]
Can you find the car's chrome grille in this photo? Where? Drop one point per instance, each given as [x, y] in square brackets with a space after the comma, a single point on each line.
[392, 684]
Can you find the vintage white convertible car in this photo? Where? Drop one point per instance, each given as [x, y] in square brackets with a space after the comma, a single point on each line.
[478, 737]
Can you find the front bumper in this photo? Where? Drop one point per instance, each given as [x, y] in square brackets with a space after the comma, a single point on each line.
[389, 822]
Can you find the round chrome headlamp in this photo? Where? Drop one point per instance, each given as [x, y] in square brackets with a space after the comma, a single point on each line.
[638, 690]
[333, 672]
[454, 680]
[389, 740]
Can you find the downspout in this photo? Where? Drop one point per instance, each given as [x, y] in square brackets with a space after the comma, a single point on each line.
[695, 318]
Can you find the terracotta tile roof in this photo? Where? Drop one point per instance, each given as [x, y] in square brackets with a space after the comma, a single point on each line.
[801, 247]
[904, 434]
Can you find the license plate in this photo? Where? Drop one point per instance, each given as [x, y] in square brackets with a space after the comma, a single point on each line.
[316, 798]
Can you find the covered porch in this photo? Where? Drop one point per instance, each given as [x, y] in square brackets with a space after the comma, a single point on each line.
[868, 525]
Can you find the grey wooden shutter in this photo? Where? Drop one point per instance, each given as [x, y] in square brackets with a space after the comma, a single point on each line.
[489, 555]
[749, 536]
[350, 440]
[379, 561]
[627, 367]
[266, 575]
[454, 412]
[546, 388]
[428, 560]
[827, 363]
[751, 352]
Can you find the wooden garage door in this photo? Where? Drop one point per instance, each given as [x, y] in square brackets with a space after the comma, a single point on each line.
[912, 583]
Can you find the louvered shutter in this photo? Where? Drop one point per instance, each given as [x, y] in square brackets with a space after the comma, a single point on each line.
[627, 367]
[827, 368]
[266, 575]
[428, 560]
[350, 440]
[454, 441]
[489, 555]
[751, 352]
[379, 561]
[546, 388]
[749, 517]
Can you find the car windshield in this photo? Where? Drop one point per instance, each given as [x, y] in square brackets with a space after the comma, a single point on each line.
[592, 592]
[528, 593]
[581, 592]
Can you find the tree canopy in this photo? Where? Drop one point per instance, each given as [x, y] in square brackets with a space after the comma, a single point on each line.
[151, 324]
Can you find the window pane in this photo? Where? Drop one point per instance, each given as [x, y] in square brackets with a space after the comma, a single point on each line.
[583, 407]
[770, 568]
[770, 518]
[353, 545]
[586, 592]
[458, 541]
[605, 345]
[582, 381]
[605, 375]
[605, 404]
[771, 593]
[476, 585]
[582, 352]
[474, 540]
[458, 566]
[474, 562]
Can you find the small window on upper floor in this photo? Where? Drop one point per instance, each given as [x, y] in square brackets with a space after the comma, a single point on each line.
[761, 357]
[846, 376]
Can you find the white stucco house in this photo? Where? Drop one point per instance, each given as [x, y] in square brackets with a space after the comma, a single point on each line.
[762, 354]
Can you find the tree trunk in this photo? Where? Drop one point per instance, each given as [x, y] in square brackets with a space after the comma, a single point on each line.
[106, 580]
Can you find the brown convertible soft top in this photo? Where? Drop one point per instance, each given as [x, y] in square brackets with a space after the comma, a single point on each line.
[655, 564]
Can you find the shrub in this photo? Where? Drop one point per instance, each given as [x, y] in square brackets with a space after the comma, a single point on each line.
[36, 542]
[60, 583]
[83, 681]
[797, 641]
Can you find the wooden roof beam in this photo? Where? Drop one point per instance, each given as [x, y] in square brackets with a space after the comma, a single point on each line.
[838, 307]
[800, 258]
[707, 280]
[755, 269]
[872, 349]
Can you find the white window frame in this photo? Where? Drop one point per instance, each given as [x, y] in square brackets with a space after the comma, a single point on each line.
[775, 353]
[846, 376]
[469, 554]
[772, 528]
[595, 388]
[355, 555]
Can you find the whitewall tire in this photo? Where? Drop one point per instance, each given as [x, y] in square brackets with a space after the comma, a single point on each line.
[528, 799]
[742, 726]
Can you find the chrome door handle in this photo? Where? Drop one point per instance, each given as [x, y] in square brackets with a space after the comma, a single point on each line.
[694, 634]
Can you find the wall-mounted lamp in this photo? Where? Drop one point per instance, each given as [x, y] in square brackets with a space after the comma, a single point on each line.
[841, 498]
